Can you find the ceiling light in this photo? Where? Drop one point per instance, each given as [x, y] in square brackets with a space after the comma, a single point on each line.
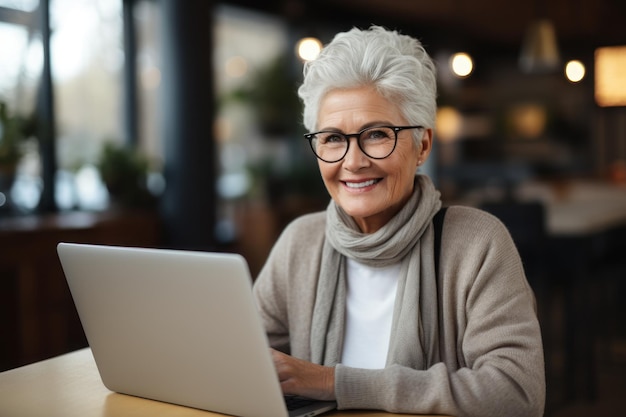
[462, 64]
[539, 52]
[308, 48]
[575, 71]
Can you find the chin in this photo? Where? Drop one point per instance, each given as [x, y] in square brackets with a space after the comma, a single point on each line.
[358, 211]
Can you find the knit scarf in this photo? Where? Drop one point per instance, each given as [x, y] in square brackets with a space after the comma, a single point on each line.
[407, 238]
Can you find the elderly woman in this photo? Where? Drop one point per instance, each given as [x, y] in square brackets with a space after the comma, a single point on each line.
[356, 305]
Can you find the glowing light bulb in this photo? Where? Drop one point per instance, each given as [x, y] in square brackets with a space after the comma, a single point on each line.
[308, 48]
[575, 71]
[462, 64]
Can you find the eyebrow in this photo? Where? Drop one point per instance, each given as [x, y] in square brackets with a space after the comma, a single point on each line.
[367, 125]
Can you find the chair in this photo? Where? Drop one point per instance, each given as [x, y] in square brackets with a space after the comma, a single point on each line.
[526, 222]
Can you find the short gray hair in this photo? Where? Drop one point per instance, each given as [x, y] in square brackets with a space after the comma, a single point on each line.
[396, 65]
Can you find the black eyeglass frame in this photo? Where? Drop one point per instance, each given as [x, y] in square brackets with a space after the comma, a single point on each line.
[396, 129]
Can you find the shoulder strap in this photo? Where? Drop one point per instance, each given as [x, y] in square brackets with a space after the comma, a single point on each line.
[438, 224]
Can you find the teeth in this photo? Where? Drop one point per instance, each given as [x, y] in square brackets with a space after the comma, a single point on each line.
[360, 184]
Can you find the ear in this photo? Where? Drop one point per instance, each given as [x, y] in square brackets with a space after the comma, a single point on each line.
[426, 145]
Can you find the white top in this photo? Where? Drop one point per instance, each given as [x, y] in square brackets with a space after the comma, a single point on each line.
[371, 295]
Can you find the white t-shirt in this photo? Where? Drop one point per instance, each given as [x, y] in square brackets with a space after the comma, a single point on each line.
[371, 295]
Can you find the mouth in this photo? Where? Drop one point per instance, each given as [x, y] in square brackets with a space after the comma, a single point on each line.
[362, 184]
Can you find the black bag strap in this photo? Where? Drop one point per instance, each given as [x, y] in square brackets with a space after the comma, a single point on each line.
[438, 224]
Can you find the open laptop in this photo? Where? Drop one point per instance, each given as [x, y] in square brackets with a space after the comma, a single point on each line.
[176, 326]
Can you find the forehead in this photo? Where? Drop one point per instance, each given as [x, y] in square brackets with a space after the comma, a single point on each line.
[354, 108]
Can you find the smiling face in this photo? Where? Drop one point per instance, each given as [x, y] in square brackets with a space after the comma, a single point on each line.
[370, 190]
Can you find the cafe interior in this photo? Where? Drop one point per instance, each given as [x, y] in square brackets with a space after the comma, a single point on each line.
[176, 124]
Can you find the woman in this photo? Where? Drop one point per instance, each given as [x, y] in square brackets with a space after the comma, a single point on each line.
[354, 307]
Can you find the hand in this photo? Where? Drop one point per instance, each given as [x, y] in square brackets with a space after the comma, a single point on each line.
[299, 377]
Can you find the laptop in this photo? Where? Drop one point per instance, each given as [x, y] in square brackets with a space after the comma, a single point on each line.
[177, 326]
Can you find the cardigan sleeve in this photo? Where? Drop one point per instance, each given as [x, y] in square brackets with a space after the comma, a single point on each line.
[492, 356]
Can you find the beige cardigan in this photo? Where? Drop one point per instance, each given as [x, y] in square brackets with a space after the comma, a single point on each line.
[490, 342]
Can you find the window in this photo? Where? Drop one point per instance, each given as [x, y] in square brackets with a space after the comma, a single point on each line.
[20, 72]
[87, 61]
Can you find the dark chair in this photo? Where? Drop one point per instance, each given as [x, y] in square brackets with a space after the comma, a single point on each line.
[526, 221]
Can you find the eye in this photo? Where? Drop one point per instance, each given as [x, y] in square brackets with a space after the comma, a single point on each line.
[331, 138]
[377, 133]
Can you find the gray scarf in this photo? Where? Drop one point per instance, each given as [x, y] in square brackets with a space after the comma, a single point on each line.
[407, 238]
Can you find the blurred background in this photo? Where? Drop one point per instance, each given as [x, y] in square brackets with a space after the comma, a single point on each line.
[176, 124]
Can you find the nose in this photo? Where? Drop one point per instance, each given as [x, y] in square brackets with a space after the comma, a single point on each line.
[355, 159]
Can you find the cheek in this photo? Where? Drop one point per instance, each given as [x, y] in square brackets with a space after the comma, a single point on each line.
[406, 163]
[326, 171]
[408, 155]
[322, 169]
[405, 175]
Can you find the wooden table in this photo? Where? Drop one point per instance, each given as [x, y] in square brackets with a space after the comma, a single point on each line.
[69, 385]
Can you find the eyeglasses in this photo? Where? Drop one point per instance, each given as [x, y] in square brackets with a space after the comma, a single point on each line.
[376, 142]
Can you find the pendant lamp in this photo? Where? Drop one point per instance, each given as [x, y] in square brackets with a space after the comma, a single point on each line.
[539, 52]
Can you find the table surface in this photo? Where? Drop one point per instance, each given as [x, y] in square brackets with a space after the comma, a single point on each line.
[573, 208]
[580, 207]
[69, 385]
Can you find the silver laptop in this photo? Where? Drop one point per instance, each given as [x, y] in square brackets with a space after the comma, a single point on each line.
[176, 326]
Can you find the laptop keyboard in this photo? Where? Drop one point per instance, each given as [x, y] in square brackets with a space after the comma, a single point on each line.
[293, 402]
